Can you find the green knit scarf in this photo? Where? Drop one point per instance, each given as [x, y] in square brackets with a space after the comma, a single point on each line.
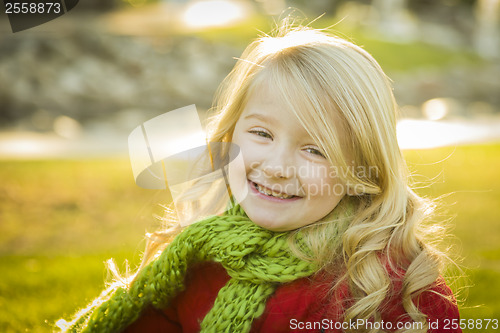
[257, 260]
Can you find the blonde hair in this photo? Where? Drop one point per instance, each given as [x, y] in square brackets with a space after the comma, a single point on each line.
[333, 86]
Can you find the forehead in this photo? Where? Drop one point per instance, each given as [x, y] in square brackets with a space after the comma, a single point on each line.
[265, 106]
[308, 104]
[264, 91]
[266, 101]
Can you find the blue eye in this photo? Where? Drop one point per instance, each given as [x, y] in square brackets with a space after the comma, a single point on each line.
[261, 133]
[314, 151]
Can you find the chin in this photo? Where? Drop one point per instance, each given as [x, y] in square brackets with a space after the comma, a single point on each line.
[265, 221]
[268, 223]
[272, 227]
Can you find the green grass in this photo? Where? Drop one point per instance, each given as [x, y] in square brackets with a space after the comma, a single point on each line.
[60, 220]
[467, 179]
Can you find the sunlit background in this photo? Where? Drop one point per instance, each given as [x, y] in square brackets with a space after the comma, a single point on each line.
[92, 75]
[73, 89]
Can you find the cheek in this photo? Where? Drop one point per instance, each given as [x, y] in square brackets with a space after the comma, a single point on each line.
[236, 172]
[241, 166]
[252, 162]
[251, 153]
[321, 182]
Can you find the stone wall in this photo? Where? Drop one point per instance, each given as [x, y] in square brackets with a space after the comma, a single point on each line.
[91, 76]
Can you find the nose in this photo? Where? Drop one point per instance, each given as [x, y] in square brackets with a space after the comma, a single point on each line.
[279, 163]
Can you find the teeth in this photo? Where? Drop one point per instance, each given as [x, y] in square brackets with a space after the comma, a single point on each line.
[266, 191]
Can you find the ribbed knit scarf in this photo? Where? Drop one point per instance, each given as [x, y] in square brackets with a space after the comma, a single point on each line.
[256, 259]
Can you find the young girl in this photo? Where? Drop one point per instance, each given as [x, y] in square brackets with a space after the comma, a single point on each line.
[326, 235]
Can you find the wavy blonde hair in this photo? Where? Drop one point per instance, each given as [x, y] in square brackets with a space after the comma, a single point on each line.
[333, 86]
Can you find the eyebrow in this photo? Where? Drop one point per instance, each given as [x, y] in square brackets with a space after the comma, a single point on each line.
[262, 117]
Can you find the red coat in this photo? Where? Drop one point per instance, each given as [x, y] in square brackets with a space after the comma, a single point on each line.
[299, 306]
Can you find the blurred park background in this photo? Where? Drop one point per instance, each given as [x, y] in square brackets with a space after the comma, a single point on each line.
[71, 91]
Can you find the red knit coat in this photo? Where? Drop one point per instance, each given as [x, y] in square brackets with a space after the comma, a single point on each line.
[300, 306]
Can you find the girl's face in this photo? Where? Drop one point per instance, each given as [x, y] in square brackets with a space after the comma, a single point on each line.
[289, 182]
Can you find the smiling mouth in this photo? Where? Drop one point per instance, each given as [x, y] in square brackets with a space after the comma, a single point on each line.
[271, 193]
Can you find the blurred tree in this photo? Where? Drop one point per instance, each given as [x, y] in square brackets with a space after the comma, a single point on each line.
[445, 10]
[486, 37]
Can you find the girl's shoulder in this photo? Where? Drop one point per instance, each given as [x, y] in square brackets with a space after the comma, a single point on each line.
[436, 302]
[312, 301]
[436, 297]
